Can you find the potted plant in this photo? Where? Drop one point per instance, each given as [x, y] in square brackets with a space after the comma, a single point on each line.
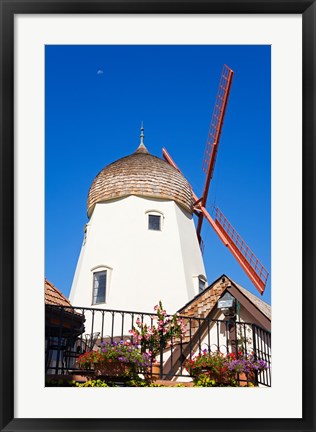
[152, 339]
[214, 365]
[225, 369]
[163, 330]
[117, 359]
[245, 367]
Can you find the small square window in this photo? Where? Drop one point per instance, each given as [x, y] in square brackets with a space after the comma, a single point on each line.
[99, 287]
[154, 222]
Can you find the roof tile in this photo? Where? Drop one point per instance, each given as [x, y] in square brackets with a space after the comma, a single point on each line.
[53, 296]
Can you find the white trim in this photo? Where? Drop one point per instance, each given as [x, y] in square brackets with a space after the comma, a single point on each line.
[155, 213]
[101, 266]
[108, 270]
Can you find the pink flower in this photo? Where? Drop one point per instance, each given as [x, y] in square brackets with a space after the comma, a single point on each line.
[156, 307]
[134, 333]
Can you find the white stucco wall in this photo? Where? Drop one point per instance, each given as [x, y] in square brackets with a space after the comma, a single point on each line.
[144, 266]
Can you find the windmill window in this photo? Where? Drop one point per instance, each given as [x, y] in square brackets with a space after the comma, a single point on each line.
[201, 284]
[99, 287]
[154, 222]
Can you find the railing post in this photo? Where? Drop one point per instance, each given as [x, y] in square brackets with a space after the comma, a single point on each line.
[161, 356]
[59, 354]
[255, 349]
[254, 341]
[91, 333]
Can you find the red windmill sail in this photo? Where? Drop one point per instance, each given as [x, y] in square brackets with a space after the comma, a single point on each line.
[253, 267]
[214, 135]
[228, 235]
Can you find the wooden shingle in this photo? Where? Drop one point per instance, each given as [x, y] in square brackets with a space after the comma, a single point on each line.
[140, 174]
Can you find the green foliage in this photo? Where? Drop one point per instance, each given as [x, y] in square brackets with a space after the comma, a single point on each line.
[204, 381]
[137, 382]
[62, 382]
[93, 383]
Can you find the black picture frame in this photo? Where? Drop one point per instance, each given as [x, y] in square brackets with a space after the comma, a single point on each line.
[9, 8]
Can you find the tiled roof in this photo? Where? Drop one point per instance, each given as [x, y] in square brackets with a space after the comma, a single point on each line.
[260, 304]
[53, 296]
[202, 304]
[140, 174]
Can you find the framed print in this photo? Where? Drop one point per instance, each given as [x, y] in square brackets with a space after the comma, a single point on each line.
[91, 92]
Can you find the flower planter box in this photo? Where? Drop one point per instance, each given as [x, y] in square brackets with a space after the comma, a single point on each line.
[114, 360]
[112, 369]
[225, 370]
[109, 371]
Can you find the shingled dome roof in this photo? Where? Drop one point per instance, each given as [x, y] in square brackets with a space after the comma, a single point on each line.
[140, 174]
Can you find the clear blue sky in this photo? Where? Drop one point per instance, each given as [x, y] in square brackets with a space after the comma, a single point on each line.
[95, 100]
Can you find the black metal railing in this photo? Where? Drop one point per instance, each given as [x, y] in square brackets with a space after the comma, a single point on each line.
[71, 331]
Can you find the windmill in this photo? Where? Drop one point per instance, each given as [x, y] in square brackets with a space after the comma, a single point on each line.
[256, 272]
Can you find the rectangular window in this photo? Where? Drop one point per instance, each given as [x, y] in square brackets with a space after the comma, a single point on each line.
[201, 285]
[99, 287]
[154, 222]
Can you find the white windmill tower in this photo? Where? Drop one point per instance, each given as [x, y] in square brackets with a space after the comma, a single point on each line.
[140, 243]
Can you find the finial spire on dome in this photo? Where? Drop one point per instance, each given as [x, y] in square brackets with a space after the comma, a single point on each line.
[141, 148]
[142, 133]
